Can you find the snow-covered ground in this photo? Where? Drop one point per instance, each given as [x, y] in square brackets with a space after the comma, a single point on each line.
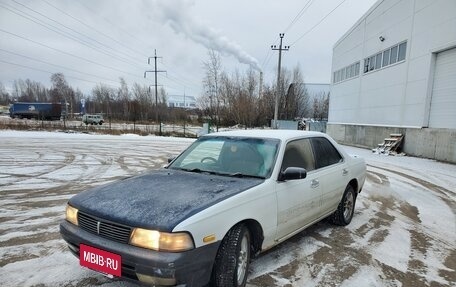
[403, 232]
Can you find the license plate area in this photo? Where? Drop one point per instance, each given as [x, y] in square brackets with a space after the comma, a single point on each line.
[99, 260]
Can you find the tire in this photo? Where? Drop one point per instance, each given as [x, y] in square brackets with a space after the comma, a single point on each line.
[344, 213]
[233, 259]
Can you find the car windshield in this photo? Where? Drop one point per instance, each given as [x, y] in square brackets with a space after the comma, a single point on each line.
[232, 156]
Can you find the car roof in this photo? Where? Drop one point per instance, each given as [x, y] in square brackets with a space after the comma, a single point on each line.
[268, 133]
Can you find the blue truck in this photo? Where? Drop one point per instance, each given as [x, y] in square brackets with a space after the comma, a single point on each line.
[41, 111]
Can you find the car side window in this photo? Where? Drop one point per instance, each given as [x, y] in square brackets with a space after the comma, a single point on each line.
[325, 153]
[298, 153]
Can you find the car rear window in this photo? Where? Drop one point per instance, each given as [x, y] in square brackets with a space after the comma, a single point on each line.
[325, 153]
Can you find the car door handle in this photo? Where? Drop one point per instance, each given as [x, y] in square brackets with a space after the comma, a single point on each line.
[314, 183]
[344, 171]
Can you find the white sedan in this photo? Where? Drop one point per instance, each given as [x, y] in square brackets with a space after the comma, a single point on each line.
[229, 196]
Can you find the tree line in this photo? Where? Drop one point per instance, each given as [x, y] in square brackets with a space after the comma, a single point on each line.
[226, 99]
[230, 99]
[124, 103]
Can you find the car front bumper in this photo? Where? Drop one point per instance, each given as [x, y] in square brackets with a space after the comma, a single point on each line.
[189, 268]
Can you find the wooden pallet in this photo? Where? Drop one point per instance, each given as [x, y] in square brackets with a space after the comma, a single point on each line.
[390, 145]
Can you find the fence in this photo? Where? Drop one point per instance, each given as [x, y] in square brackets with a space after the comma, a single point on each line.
[317, 126]
[166, 129]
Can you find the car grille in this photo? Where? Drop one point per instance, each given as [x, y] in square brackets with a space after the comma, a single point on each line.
[104, 229]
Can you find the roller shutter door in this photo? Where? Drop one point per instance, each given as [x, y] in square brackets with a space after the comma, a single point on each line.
[443, 101]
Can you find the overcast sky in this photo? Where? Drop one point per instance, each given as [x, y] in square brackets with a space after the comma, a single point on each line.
[93, 41]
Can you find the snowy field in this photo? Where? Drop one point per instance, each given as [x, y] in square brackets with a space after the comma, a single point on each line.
[403, 232]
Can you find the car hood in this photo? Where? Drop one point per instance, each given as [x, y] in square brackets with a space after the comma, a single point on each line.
[159, 200]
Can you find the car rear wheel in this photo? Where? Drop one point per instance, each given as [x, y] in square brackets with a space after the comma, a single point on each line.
[344, 213]
[233, 258]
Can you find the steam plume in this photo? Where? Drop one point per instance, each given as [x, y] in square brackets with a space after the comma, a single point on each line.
[176, 14]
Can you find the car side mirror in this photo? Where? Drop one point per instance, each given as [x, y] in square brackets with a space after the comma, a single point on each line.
[170, 159]
[292, 173]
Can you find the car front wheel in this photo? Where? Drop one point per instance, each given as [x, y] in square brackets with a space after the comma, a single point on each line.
[233, 258]
[344, 213]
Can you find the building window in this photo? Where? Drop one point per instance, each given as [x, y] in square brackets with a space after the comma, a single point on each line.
[402, 50]
[386, 58]
[378, 61]
[392, 55]
[346, 73]
[372, 63]
[366, 65]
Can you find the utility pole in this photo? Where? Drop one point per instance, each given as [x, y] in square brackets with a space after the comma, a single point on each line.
[280, 49]
[185, 112]
[155, 84]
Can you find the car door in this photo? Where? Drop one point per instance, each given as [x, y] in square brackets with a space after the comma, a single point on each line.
[297, 200]
[332, 171]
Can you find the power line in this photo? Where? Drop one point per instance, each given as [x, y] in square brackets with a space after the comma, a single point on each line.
[94, 29]
[299, 15]
[295, 19]
[268, 56]
[69, 54]
[178, 86]
[49, 72]
[112, 24]
[319, 22]
[59, 66]
[181, 81]
[62, 32]
[176, 80]
[267, 59]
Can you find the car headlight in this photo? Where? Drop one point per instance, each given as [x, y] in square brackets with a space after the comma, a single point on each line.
[161, 241]
[72, 214]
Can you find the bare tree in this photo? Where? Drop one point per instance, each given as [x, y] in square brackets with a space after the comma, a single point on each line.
[141, 95]
[211, 83]
[321, 106]
[301, 96]
[266, 106]
[19, 90]
[4, 95]
[61, 92]
[105, 96]
[123, 96]
[250, 86]
[60, 89]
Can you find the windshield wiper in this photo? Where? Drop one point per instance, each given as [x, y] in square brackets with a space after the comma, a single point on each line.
[241, 175]
[236, 174]
[197, 170]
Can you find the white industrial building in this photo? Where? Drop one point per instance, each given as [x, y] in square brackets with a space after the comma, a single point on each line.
[178, 101]
[394, 71]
